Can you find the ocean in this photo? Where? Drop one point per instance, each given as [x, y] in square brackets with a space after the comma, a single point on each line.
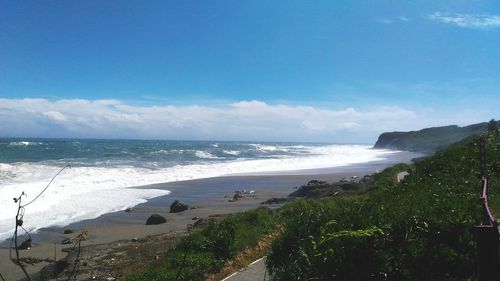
[103, 173]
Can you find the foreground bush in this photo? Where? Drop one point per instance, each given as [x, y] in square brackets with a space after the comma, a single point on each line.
[420, 229]
[205, 251]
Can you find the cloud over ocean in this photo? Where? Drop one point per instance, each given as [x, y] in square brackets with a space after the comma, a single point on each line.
[262, 121]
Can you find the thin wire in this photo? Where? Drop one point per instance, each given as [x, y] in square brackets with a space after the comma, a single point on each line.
[26, 232]
[46, 186]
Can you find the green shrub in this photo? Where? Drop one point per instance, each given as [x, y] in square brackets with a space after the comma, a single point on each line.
[206, 251]
[419, 229]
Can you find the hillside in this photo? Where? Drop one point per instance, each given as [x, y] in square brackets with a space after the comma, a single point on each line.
[419, 229]
[430, 139]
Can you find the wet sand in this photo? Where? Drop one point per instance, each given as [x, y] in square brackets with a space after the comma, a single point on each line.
[208, 196]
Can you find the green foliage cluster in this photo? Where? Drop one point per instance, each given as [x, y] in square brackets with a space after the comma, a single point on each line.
[205, 251]
[493, 126]
[387, 179]
[419, 229]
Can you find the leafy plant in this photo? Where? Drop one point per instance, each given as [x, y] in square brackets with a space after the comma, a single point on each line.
[419, 229]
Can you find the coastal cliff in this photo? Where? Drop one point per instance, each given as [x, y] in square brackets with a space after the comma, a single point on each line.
[430, 139]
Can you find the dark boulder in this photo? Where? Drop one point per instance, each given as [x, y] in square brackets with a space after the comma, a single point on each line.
[237, 196]
[155, 219]
[275, 200]
[177, 207]
[199, 222]
[68, 231]
[310, 189]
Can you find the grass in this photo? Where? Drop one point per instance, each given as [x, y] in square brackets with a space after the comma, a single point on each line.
[205, 252]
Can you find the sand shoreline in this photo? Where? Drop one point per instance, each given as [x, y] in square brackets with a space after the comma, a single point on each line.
[207, 195]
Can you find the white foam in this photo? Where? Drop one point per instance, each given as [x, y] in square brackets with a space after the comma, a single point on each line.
[161, 151]
[23, 143]
[87, 192]
[232, 152]
[76, 194]
[205, 155]
[267, 148]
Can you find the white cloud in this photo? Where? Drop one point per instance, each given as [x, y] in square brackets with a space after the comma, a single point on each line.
[481, 21]
[55, 115]
[244, 120]
[391, 20]
[385, 20]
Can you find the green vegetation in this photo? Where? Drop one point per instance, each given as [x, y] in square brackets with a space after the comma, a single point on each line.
[205, 251]
[420, 229]
[377, 229]
[493, 126]
[431, 139]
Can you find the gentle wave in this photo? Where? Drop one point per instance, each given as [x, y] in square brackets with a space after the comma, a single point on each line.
[232, 152]
[268, 148]
[23, 143]
[205, 155]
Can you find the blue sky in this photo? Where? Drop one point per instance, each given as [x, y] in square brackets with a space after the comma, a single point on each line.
[431, 62]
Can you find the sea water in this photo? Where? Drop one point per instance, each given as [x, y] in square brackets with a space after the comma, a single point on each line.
[103, 173]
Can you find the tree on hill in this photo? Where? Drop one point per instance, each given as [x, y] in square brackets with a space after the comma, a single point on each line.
[492, 126]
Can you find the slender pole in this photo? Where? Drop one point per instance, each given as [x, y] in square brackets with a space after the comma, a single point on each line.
[18, 262]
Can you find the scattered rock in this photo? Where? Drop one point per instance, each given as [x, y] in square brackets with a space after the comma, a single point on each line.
[195, 218]
[135, 239]
[177, 207]
[237, 195]
[244, 191]
[194, 207]
[155, 219]
[68, 231]
[276, 201]
[128, 210]
[67, 241]
[314, 188]
[198, 222]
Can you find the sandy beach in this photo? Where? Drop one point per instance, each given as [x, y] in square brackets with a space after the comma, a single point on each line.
[209, 197]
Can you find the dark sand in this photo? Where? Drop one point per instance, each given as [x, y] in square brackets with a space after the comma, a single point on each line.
[210, 196]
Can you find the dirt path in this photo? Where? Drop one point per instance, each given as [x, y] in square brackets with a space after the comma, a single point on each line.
[255, 271]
